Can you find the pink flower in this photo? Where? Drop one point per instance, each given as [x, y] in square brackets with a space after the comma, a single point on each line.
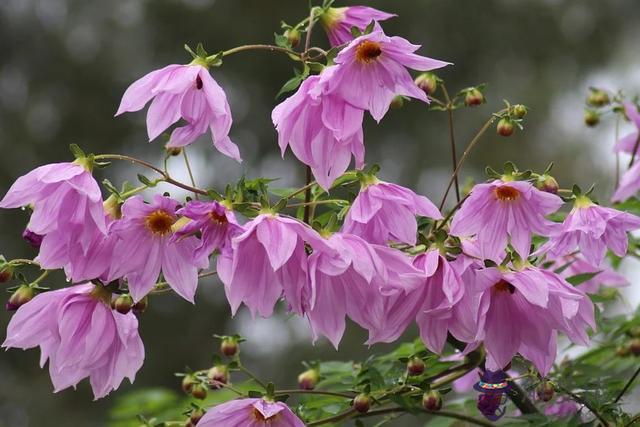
[185, 92]
[64, 197]
[629, 184]
[522, 311]
[384, 211]
[628, 143]
[81, 337]
[498, 211]
[323, 131]
[267, 259]
[338, 22]
[562, 407]
[144, 248]
[250, 412]
[347, 282]
[215, 222]
[372, 70]
[593, 229]
[575, 264]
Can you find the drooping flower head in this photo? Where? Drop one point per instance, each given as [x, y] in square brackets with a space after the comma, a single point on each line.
[521, 311]
[250, 412]
[629, 142]
[64, 197]
[81, 336]
[214, 221]
[605, 276]
[145, 248]
[323, 131]
[629, 184]
[592, 229]
[504, 212]
[267, 260]
[384, 211]
[338, 21]
[185, 92]
[372, 70]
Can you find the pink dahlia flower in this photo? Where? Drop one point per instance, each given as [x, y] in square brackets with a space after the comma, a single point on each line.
[372, 70]
[500, 212]
[81, 337]
[627, 143]
[323, 131]
[215, 222]
[592, 229]
[384, 211]
[522, 311]
[576, 264]
[185, 92]
[267, 260]
[338, 22]
[348, 281]
[144, 248]
[64, 197]
[250, 413]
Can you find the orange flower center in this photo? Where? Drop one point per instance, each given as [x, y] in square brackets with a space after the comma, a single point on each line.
[504, 286]
[159, 222]
[218, 218]
[257, 415]
[505, 192]
[368, 51]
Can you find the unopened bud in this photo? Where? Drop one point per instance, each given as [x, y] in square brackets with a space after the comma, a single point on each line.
[634, 346]
[432, 401]
[362, 403]
[308, 379]
[293, 36]
[173, 151]
[6, 273]
[199, 391]
[415, 366]
[32, 238]
[428, 82]
[623, 350]
[505, 127]
[195, 416]
[598, 98]
[473, 97]
[635, 332]
[591, 118]
[519, 111]
[397, 102]
[188, 382]
[141, 305]
[545, 391]
[548, 184]
[229, 346]
[20, 297]
[217, 376]
[123, 304]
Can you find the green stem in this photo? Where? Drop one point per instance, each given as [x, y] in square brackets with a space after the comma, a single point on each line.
[307, 196]
[40, 278]
[318, 392]
[447, 414]
[334, 418]
[578, 399]
[635, 151]
[268, 47]
[161, 287]
[318, 202]
[252, 376]
[627, 385]
[20, 261]
[133, 191]
[452, 139]
[188, 165]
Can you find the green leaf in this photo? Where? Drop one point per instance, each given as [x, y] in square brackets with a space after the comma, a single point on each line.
[370, 27]
[200, 51]
[282, 41]
[291, 85]
[77, 151]
[146, 181]
[355, 32]
[581, 278]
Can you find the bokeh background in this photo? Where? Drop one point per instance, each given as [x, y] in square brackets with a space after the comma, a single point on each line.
[65, 63]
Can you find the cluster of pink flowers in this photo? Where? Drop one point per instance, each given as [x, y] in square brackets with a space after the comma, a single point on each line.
[492, 293]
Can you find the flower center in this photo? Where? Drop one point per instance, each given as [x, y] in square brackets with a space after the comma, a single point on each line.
[198, 83]
[504, 286]
[218, 218]
[506, 192]
[368, 51]
[259, 417]
[160, 222]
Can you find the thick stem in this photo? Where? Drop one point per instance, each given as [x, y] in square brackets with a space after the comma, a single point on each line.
[452, 140]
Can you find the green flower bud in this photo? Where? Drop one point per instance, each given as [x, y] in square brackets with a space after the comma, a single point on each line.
[432, 401]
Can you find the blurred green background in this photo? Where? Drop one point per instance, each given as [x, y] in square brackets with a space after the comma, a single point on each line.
[65, 63]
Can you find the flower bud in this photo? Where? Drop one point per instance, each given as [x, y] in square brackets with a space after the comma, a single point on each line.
[545, 391]
[195, 416]
[188, 382]
[173, 151]
[123, 304]
[505, 127]
[623, 350]
[32, 238]
[229, 346]
[397, 103]
[591, 118]
[293, 36]
[415, 366]
[428, 82]
[634, 346]
[199, 391]
[141, 305]
[218, 375]
[635, 332]
[598, 98]
[21, 296]
[432, 401]
[308, 379]
[548, 184]
[519, 111]
[362, 403]
[473, 97]
[6, 273]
